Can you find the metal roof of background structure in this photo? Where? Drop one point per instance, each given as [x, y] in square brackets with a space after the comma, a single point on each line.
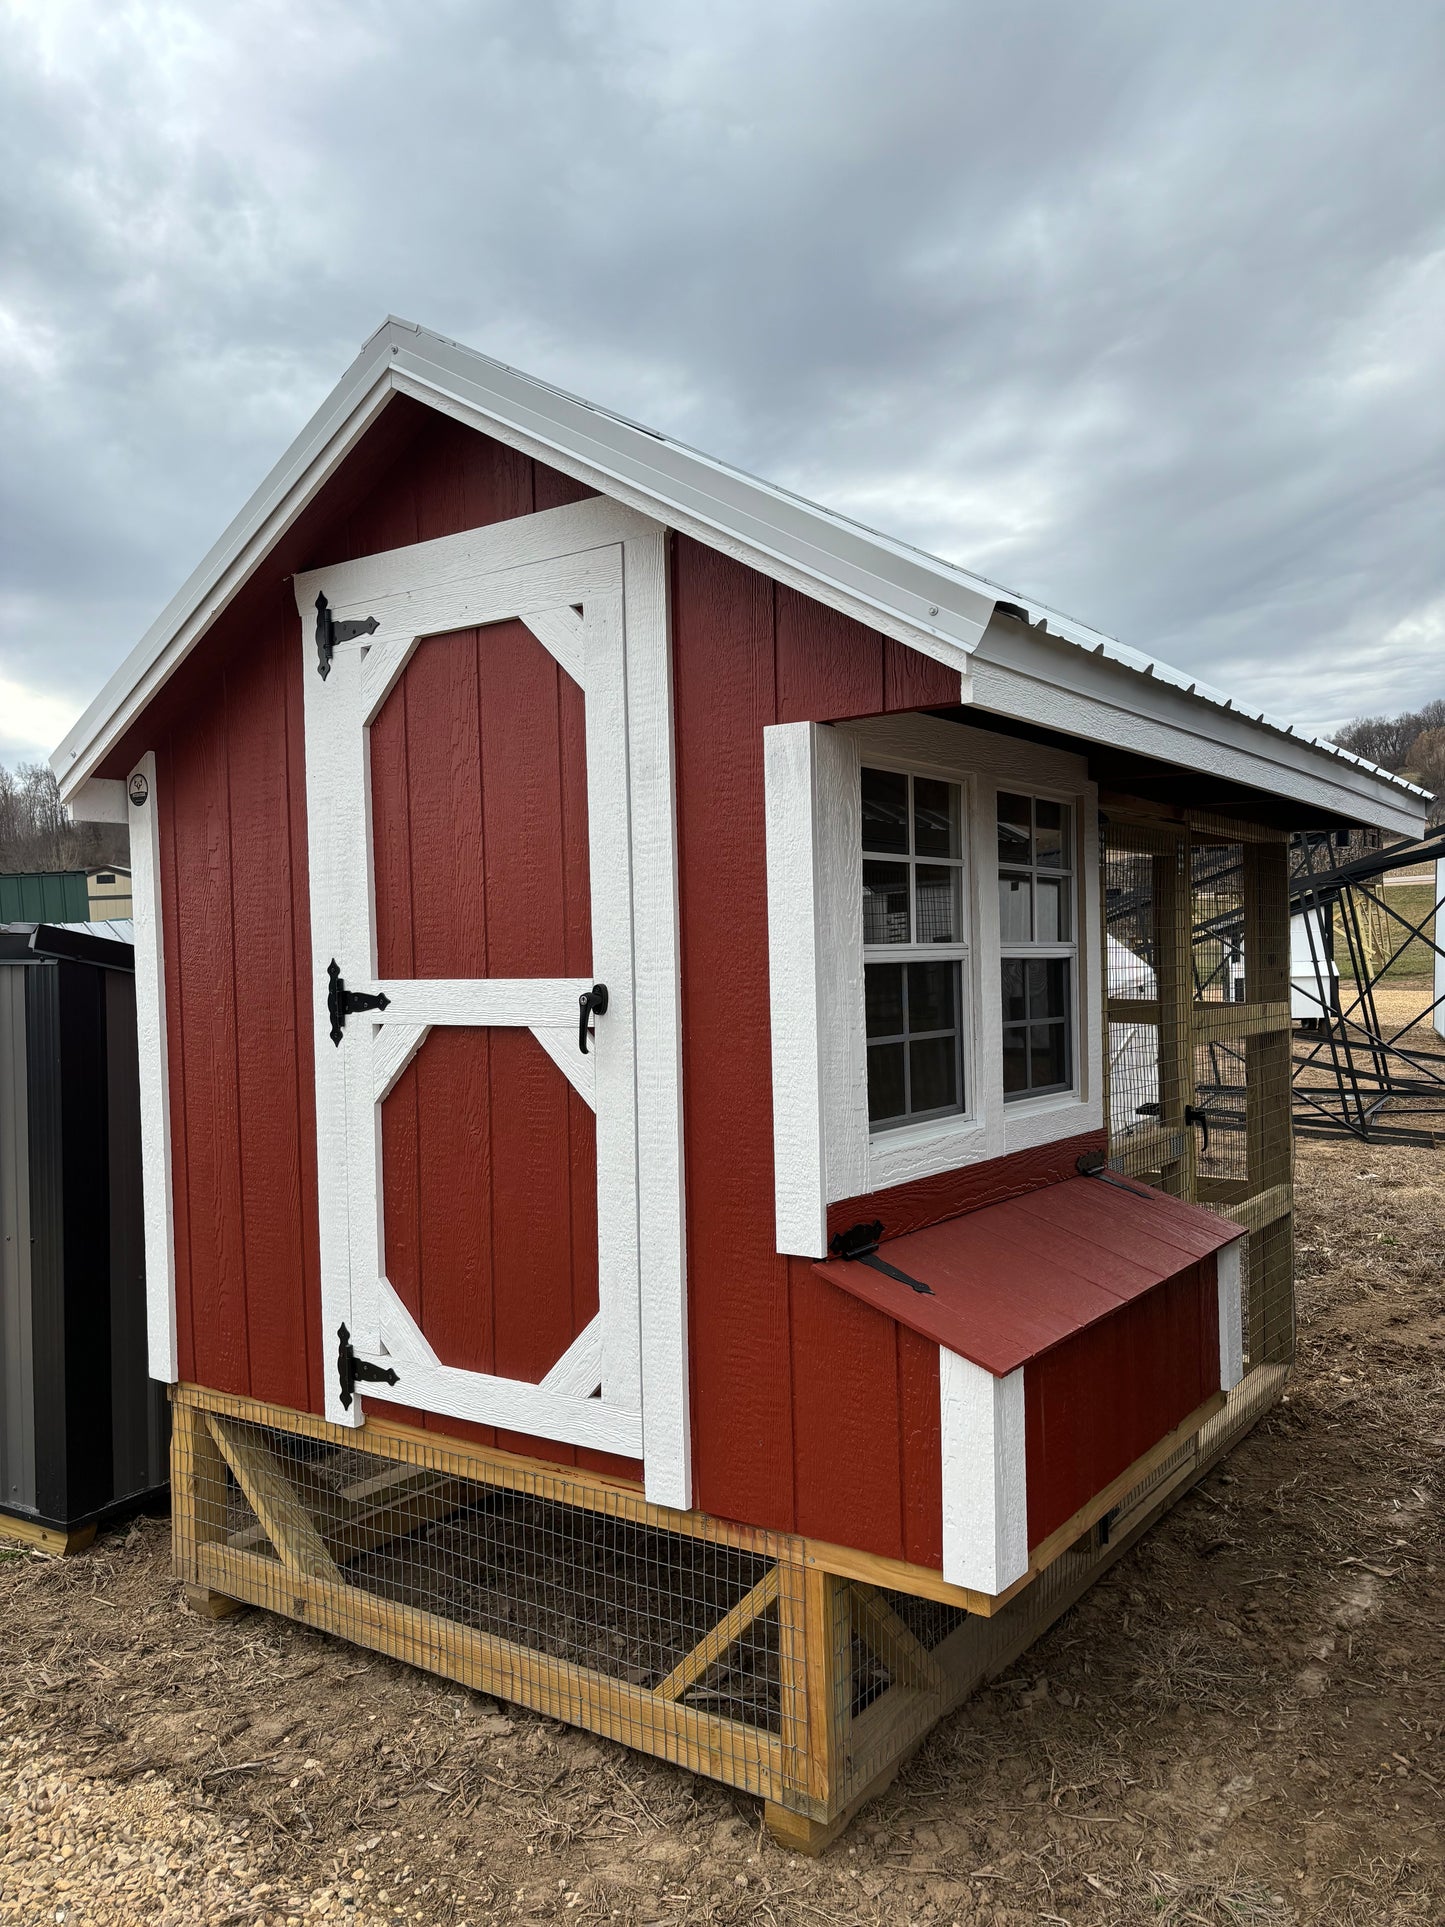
[916, 597]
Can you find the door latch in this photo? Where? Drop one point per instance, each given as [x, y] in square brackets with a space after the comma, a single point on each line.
[329, 632]
[592, 1003]
[342, 1003]
[352, 1370]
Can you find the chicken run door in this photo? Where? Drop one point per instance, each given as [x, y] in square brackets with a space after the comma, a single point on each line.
[472, 901]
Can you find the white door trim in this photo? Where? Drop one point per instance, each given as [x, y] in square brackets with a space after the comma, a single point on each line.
[540, 568]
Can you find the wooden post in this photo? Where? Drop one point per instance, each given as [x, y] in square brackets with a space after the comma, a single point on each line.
[813, 1676]
[198, 1505]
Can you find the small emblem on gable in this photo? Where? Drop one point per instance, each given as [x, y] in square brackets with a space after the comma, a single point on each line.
[140, 789]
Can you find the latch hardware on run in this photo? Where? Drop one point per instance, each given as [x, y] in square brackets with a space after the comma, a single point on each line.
[329, 632]
[342, 1003]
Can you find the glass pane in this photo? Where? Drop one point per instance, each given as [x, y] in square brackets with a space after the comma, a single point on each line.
[1011, 972]
[936, 903]
[1048, 987]
[1015, 1062]
[1051, 909]
[885, 1082]
[932, 997]
[935, 817]
[885, 903]
[885, 811]
[1048, 1060]
[1051, 843]
[1015, 910]
[1014, 842]
[883, 995]
[933, 1069]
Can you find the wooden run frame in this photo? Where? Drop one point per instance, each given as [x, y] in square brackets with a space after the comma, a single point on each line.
[834, 1743]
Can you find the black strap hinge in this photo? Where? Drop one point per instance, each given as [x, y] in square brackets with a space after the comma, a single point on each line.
[350, 1369]
[342, 1003]
[329, 632]
[860, 1243]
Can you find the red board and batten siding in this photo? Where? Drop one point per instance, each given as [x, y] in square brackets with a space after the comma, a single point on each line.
[811, 1412]
[229, 740]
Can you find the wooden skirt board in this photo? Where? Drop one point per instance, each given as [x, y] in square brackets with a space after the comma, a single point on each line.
[734, 1652]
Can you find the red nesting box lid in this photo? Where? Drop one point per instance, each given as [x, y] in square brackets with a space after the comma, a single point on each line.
[1013, 1280]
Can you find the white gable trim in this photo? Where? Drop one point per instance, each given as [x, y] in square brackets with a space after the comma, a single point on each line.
[927, 604]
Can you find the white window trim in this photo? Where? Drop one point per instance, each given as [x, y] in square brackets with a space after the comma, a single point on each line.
[822, 1145]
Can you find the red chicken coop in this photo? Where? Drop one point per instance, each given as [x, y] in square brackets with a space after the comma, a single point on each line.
[715, 1091]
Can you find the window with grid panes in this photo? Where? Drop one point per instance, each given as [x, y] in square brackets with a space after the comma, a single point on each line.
[1037, 943]
[913, 947]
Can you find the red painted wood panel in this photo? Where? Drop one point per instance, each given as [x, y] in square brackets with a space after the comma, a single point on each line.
[1096, 1403]
[263, 948]
[915, 681]
[918, 1401]
[828, 666]
[481, 859]
[780, 1371]
[926, 1201]
[229, 738]
[724, 693]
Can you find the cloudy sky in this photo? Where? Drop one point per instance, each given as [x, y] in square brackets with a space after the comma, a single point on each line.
[1139, 309]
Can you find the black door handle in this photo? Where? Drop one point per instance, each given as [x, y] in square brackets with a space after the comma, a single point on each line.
[1196, 1114]
[592, 1003]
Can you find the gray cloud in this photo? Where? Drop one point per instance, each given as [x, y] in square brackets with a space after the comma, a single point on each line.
[1136, 310]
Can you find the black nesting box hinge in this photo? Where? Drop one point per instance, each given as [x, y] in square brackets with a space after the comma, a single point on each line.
[860, 1242]
[352, 1370]
[342, 1003]
[329, 632]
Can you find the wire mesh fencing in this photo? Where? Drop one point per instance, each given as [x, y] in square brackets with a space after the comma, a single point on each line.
[1197, 930]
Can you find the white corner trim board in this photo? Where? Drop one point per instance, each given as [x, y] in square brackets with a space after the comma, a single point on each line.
[985, 1483]
[1229, 1280]
[154, 1064]
[133, 802]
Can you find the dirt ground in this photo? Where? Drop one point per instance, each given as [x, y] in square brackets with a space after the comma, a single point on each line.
[1241, 1723]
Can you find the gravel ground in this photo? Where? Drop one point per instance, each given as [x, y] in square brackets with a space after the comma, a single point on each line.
[1240, 1724]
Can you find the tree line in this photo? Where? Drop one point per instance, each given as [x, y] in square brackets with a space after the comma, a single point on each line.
[1411, 745]
[37, 831]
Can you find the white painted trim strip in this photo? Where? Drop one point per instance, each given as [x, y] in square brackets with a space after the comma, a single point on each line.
[1229, 1280]
[579, 1071]
[510, 1403]
[394, 1047]
[985, 1495]
[578, 1372]
[659, 1196]
[401, 1337]
[561, 634]
[157, 1198]
[548, 1003]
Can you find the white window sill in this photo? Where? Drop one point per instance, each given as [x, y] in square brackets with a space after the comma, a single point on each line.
[923, 1150]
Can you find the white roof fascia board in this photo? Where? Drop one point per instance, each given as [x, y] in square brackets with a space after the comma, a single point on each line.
[928, 604]
[1039, 680]
[340, 421]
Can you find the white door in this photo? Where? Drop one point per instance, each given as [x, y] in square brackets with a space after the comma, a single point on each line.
[596, 606]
